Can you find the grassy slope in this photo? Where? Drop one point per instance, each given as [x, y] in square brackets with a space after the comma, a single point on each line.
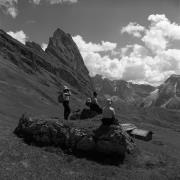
[19, 93]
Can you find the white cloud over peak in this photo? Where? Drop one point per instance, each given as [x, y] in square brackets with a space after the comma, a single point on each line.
[97, 63]
[150, 61]
[44, 46]
[133, 29]
[9, 7]
[19, 35]
[93, 47]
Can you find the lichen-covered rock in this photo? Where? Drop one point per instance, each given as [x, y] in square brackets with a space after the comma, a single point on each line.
[86, 143]
[112, 139]
[106, 139]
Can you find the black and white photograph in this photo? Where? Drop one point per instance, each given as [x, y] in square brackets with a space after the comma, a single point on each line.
[89, 89]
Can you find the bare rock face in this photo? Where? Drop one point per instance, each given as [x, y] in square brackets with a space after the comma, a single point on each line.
[62, 48]
[34, 46]
[167, 95]
[106, 139]
[112, 139]
[61, 62]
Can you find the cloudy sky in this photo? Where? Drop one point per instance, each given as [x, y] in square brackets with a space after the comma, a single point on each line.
[134, 40]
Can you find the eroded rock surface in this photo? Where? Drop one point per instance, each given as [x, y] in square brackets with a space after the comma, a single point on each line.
[106, 139]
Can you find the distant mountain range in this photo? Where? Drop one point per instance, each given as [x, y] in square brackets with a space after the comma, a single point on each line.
[121, 90]
[167, 95]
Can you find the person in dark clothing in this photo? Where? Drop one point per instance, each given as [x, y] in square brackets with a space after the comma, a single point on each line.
[94, 106]
[108, 114]
[66, 98]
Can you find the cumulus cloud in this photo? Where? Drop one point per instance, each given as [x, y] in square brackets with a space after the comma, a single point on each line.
[18, 35]
[44, 46]
[62, 1]
[93, 47]
[37, 2]
[161, 32]
[97, 63]
[156, 60]
[9, 7]
[159, 35]
[133, 29]
[151, 61]
[129, 67]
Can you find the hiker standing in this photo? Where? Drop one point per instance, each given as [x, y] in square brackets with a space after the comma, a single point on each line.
[108, 114]
[66, 97]
[94, 106]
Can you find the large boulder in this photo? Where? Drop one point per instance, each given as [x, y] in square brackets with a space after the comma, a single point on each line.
[113, 139]
[45, 132]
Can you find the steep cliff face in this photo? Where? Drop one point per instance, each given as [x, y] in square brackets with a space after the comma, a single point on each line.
[62, 48]
[31, 78]
[167, 95]
[62, 59]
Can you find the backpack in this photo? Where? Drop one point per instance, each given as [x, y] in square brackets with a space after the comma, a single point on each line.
[60, 98]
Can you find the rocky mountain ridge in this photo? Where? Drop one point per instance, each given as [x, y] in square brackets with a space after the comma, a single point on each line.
[167, 95]
[62, 64]
[61, 60]
[121, 90]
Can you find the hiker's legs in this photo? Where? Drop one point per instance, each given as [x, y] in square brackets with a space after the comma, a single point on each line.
[99, 110]
[106, 121]
[109, 121]
[64, 105]
[66, 109]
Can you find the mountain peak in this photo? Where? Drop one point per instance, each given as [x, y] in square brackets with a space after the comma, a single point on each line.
[64, 50]
[59, 33]
[174, 78]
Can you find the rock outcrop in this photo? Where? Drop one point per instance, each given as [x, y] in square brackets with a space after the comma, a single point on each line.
[62, 61]
[106, 139]
[167, 95]
[62, 48]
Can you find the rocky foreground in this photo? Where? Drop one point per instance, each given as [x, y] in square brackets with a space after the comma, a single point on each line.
[108, 140]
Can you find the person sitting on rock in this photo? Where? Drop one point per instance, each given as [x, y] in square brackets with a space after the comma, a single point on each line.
[108, 114]
[66, 98]
[88, 102]
[94, 106]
